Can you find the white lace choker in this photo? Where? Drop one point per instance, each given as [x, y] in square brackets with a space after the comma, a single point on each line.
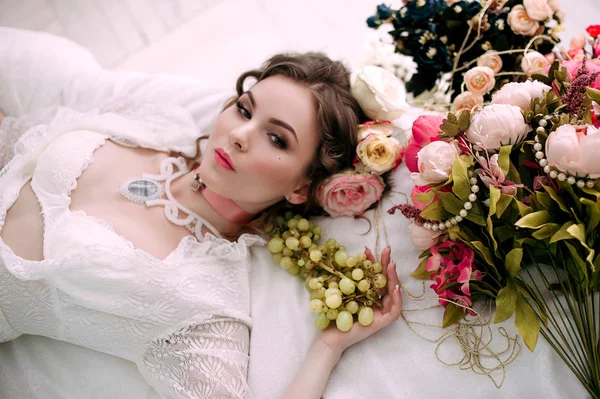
[147, 190]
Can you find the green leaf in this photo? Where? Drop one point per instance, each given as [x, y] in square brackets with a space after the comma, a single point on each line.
[582, 275]
[452, 315]
[420, 272]
[494, 197]
[593, 94]
[502, 204]
[505, 303]
[474, 215]
[578, 232]
[524, 210]
[527, 323]
[541, 78]
[504, 158]
[450, 202]
[464, 120]
[562, 233]
[435, 211]
[546, 231]
[484, 252]
[513, 261]
[460, 176]
[556, 198]
[426, 197]
[534, 220]
[592, 212]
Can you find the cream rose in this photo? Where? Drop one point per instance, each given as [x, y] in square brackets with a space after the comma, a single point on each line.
[467, 100]
[435, 162]
[534, 62]
[554, 5]
[497, 125]
[349, 193]
[379, 92]
[382, 127]
[480, 80]
[378, 153]
[520, 94]
[521, 23]
[575, 150]
[538, 10]
[422, 238]
[490, 59]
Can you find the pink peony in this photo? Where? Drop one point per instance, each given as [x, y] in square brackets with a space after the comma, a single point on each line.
[435, 162]
[424, 130]
[520, 94]
[575, 150]
[349, 193]
[497, 125]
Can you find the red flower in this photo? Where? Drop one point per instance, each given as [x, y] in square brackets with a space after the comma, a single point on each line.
[424, 130]
[593, 30]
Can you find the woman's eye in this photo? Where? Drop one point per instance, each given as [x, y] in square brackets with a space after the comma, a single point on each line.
[243, 110]
[278, 141]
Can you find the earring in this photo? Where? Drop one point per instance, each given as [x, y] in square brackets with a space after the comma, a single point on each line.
[197, 184]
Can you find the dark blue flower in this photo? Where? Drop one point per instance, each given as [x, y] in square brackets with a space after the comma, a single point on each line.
[433, 55]
[424, 9]
[373, 22]
[383, 11]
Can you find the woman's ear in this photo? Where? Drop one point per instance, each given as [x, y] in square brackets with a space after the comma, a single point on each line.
[300, 195]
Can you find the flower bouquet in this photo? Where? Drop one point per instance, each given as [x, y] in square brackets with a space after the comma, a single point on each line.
[506, 207]
[502, 40]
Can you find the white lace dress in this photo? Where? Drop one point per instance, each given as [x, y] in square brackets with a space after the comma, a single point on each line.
[184, 321]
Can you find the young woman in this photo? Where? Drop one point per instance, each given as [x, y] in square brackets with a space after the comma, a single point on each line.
[116, 235]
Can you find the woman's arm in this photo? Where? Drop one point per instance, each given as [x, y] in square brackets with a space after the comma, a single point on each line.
[328, 346]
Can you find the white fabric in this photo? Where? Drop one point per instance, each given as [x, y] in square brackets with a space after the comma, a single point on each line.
[394, 363]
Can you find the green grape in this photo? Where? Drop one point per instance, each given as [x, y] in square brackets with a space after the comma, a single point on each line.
[344, 321]
[367, 264]
[340, 257]
[309, 234]
[313, 247]
[325, 309]
[292, 243]
[333, 301]
[308, 264]
[331, 242]
[301, 262]
[269, 228]
[332, 314]
[316, 255]
[351, 261]
[286, 234]
[305, 241]
[365, 316]
[317, 237]
[361, 257]
[297, 216]
[334, 279]
[292, 223]
[304, 274]
[317, 230]
[321, 321]
[286, 262]
[347, 286]
[294, 270]
[316, 305]
[279, 220]
[277, 258]
[287, 252]
[303, 225]
[319, 286]
[380, 281]
[333, 284]
[332, 291]
[288, 215]
[363, 285]
[320, 292]
[357, 274]
[275, 245]
[352, 307]
[370, 292]
[313, 283]
[296, 234]
[377, 267]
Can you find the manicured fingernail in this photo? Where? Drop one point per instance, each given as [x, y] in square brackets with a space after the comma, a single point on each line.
[398, 287]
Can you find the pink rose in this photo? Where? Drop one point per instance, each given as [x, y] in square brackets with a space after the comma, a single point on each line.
[575, 150]
[480, 80]
[497, 125]
[538, 10]
[425, 129]
[491, 59]
[574, 66]
[533, 62]
[422, 238]
[550, 57]
[349, 193]
[520, 94]
[521, 23]
[435, 162]
[467, 100]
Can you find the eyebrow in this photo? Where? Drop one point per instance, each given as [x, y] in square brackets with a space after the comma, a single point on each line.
[274, 121]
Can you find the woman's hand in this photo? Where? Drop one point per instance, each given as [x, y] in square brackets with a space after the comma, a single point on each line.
[383, 317]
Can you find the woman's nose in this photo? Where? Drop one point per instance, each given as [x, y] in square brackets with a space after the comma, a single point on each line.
[239, 137]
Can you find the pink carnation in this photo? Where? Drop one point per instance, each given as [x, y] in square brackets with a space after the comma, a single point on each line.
[424, 130]
[349, 193]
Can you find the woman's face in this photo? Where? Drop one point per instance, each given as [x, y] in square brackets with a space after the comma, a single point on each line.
[261, 146]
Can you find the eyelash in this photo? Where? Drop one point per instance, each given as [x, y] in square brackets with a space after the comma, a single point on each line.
[276, 139]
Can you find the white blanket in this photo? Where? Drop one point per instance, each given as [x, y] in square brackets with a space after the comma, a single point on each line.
[395, 363]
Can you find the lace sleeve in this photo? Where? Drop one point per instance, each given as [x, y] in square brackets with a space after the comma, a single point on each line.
[205, 360]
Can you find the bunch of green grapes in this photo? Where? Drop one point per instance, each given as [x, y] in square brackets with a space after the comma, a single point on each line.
[342, 288]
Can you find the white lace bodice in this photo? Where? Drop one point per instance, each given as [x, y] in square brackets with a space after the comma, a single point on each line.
[184, 321]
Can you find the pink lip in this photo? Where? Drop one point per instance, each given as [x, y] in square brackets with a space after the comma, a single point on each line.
[223, 159]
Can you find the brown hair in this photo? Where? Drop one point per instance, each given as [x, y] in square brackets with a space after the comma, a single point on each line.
[338, 115]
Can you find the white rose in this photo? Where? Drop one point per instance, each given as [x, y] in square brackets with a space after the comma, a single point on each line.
[435, 162]
[467, 100]
[521, 23]
[422, 238]
[490, 59]
[538, 10]
[480, 80]
[520, 94]
[534, 62]
[575, 150]
[497, 125]
[381, 95]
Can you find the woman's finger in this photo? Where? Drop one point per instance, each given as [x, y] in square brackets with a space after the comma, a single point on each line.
[385, 256]
[369, 255]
